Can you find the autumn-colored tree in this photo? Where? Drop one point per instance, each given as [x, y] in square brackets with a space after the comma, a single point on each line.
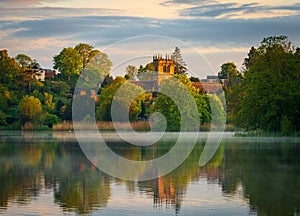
[49, 102]
[9, 68]
[30, 109]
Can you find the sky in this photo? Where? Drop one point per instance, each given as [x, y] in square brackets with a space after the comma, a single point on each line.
[208, 32]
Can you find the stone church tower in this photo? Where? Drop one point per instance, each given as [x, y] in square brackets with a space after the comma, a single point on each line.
[163, 67]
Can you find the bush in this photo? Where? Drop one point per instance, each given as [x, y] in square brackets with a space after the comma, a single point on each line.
[286, 126]
[50, 119]
[2, 118]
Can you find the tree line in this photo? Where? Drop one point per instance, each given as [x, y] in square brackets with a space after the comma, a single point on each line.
[264, 95]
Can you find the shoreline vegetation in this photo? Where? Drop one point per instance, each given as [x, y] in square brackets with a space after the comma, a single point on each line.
[144, 126]
[260, 99]
[107, 126]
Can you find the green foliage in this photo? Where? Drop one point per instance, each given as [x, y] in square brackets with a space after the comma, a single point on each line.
[2, 118]
[167, 106]
[71, 61]
[3, 102]
[286, 126]
[122, 99]
[203, 105]
[194, 79]
[97, 69]
[217, 109]
[24, 60]
[3, 54]
[21, 95]
[179, 63]
[270, 94]
[131, 72]
[9, 70]
[61, 88]
[103, 110]
[50, 119]
[86, 53]
[68, 62]
[229, 70]
[250, 59]
[107, 80]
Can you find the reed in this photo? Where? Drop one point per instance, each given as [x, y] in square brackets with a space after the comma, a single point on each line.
[103, 126]
[136, 125]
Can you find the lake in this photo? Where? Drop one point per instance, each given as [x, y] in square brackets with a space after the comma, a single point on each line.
[47, 173]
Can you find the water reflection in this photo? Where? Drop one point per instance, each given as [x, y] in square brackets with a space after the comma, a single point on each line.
[265, 173]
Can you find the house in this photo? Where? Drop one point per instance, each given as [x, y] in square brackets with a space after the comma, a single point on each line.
[212, 84]
[42, 74]
[50, 73]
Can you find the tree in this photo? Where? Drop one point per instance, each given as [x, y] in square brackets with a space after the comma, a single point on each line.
[9, 69]
[95, 72]
[218, 109]
[147, 72]
[276, 41]
[231, 88]
[68, 62]
[103, 109]
[131, 71]
[3, 54]
[248, 62]
[50, 119]
[2, 118]
[24, 60]
[194, 79]
[49, 102]
[122, 99]
[86, 53]
[180, 65]
[271, 93]
[204, 108]
[30, 109]
[107, 81]
[168, 108]
[30, 68]
[229, 70]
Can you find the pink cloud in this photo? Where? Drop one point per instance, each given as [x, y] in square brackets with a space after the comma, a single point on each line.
[20, 3]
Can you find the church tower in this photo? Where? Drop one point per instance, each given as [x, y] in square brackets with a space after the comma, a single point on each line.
[163, 67]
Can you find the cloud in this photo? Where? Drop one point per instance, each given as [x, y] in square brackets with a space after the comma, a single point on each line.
[43, 32]
[231, 10]
[108, 29]
[19, 3]
[41, 13]
[186, 2]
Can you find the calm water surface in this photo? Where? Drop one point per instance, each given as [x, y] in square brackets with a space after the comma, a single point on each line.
[48, 174]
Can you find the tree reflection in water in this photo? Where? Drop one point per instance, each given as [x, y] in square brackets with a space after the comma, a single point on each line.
[267, 172]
